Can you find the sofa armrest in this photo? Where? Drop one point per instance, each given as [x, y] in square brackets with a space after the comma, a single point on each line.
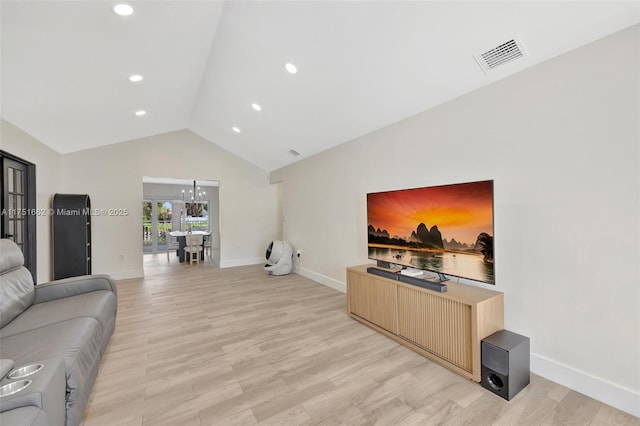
[24, 416]
[72, 286]
[45, 395]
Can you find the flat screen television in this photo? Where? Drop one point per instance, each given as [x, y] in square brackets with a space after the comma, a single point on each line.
[445, 229]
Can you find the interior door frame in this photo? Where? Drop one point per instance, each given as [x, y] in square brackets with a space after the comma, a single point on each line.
[30, 254]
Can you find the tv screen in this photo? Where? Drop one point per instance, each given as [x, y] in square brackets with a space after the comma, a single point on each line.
[446, 229]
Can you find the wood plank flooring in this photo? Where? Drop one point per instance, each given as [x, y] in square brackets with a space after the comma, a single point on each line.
[199, 345]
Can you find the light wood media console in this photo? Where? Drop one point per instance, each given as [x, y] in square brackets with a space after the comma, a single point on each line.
[446, 327]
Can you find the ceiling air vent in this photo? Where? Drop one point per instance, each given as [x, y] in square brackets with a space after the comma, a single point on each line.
[294, 152]
[506, 52]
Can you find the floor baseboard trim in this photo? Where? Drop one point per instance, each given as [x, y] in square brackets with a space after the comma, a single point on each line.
[232, 263]
[609, 393]
[323, 279]
[127, 275]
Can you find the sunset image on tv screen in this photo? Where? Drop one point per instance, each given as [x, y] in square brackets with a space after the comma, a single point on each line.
[446, 229]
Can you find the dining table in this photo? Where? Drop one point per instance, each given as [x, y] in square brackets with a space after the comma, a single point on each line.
[182, 241]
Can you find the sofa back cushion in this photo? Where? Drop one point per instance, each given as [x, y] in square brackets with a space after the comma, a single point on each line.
[16, 284]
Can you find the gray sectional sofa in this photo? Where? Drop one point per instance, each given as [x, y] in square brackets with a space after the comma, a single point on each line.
[65, 326]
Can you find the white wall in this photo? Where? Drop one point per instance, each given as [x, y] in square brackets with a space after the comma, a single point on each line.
[47, 161]
[112, 176]
[561, 141]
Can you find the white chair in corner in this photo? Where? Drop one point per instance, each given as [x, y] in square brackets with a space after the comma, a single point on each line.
[172, 245]
[207, 245]
[193, 247]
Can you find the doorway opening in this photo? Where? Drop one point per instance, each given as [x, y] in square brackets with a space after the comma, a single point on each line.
[171, 205]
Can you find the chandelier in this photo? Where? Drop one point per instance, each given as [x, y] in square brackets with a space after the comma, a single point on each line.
[195, 195]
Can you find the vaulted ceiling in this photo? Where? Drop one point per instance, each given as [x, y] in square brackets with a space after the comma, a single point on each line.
[361, 65]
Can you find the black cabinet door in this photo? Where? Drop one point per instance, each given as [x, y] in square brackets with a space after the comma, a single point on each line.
[71, 235]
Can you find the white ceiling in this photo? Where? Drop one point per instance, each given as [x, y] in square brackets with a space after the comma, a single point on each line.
[362, 65]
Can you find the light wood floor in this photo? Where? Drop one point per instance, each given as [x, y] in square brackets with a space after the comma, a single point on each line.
[199, 345]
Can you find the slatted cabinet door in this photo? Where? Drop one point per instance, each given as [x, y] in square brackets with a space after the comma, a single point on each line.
[439, 325]
[374, 299]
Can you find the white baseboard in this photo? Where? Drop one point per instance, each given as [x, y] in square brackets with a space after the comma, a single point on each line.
[621, 398]
[231, 263]
[126, 275]
[323, 279]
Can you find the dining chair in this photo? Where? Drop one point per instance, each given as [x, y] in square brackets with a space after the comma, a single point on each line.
[207, 245]
[193, 247]
[172, 244]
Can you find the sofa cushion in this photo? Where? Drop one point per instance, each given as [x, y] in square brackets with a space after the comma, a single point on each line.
[16, 294]
[100, 305]
[77, 341]
[16, 283]
[11, 258]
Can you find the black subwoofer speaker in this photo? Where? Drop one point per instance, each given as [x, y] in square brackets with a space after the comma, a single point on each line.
[505, 363]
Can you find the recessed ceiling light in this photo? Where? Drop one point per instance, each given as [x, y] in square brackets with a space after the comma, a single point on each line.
[235, 129]
[291, 68]
[141, 112]
[123, 9]
[135, 78]
[256, 107]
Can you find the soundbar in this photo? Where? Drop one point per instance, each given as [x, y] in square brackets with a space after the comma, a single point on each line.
[429, 285]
